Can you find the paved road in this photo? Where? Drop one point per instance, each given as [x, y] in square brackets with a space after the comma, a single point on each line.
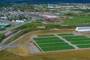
[9, 37]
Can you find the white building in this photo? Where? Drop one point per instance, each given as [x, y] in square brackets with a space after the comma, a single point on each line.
[18, 21]
[3, 18]
[49, 16]
[82, 29]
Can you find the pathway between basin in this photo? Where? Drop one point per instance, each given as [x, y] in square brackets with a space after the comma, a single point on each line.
[67, 41]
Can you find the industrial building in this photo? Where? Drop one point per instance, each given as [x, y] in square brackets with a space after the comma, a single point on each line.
[49, 16]
[3, 18]
[82, 29]
[18, 21]
[3, 25]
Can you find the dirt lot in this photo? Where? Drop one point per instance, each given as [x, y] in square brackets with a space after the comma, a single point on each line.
[21, 50]
[86, 33]
[60, 55]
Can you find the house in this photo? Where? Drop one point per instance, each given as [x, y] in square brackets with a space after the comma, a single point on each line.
[82, 29]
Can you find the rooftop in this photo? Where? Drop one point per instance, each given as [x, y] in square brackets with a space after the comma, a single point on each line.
[5, 24]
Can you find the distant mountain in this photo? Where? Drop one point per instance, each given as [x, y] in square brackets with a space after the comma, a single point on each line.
[45, 1]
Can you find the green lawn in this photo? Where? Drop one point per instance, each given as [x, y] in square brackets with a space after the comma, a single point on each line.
[49, 38]
[53, 44]
[74, 37]
[77, 20]
[80, 39]
[2, 35]
[50, 35]
[65, 34]
[81, 42]
[57, 48]
[84, 46]
[49, 41]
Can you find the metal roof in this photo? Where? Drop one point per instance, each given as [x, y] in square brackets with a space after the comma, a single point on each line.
[80, 28]
[5, 24]
[83, 27]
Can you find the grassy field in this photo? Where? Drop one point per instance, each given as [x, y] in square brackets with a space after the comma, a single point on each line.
[20, 50]
[77, 20]
[84, 46]
[56, 48]
[74, 37]
[52, 44]
[40, 23]
[48, 38]
[2, 35]
[65, 34]
[49, 35]
[80, 41]
[49, 41]
[59, 55]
